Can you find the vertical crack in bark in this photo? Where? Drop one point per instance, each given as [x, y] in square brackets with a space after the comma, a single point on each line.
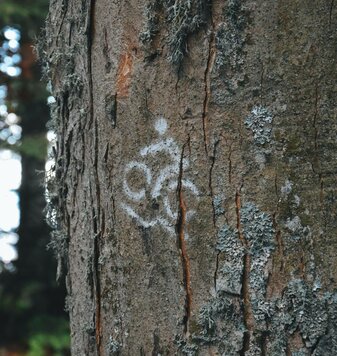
[98, 233]
[315, 118]
[97, 286]
[247, 308]
[264, 342]
[230, 164]
[279, 242]
[210, 183]
[91, 39]
[316, 145]
[64, 13]
[330, 12]
[96, 212]
[180, 227]
[216, 270]
[207, 81]
[276, 191]
[261, 82]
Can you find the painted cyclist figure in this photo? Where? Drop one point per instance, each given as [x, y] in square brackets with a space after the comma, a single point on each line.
[165, 182]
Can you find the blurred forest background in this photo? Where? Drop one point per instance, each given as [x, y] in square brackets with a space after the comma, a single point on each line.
[32, 317]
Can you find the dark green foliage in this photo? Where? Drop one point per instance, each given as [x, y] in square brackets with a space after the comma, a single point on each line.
[54, 335]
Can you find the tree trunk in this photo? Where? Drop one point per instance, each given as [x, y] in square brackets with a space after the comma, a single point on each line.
[196, 175]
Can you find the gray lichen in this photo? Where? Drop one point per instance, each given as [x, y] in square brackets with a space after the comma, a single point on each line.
[259, 122]
[113, 347]
[309, 312]
[230, 41]
[221, 324]
[257, 228]
[186, 348]
[230, 273]
[217, 204]
[286, 188]
[302, 307]
[58, 238]
[182, 18]
[327, 344]
[231, 38]
[151, 13]
[185, 17]
[300, 352]
[221, 320]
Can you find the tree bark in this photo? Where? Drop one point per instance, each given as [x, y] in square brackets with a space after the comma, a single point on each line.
[196, 175]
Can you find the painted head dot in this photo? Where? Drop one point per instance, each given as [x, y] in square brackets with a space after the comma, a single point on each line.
[161, 126]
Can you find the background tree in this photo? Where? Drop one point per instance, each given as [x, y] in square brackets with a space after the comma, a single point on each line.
[195, 175]
[31, 303]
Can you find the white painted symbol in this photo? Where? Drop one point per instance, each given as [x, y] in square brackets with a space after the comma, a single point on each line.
[160, 186]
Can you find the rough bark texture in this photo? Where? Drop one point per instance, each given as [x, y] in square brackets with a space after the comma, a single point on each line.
[196, 175]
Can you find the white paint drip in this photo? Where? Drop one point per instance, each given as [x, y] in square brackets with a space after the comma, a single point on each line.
[161, 126]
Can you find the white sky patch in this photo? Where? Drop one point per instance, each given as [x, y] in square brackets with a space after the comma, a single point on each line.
[12, 119]
[3, 110]
[14, 45]
[3, 91]
[11, 33]
[49, 165]
[51, 136]
[51, 100]
[15, 130]
[13, 71]
[8, 252]
[10, 171]
[10, 180]
[9, 211]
